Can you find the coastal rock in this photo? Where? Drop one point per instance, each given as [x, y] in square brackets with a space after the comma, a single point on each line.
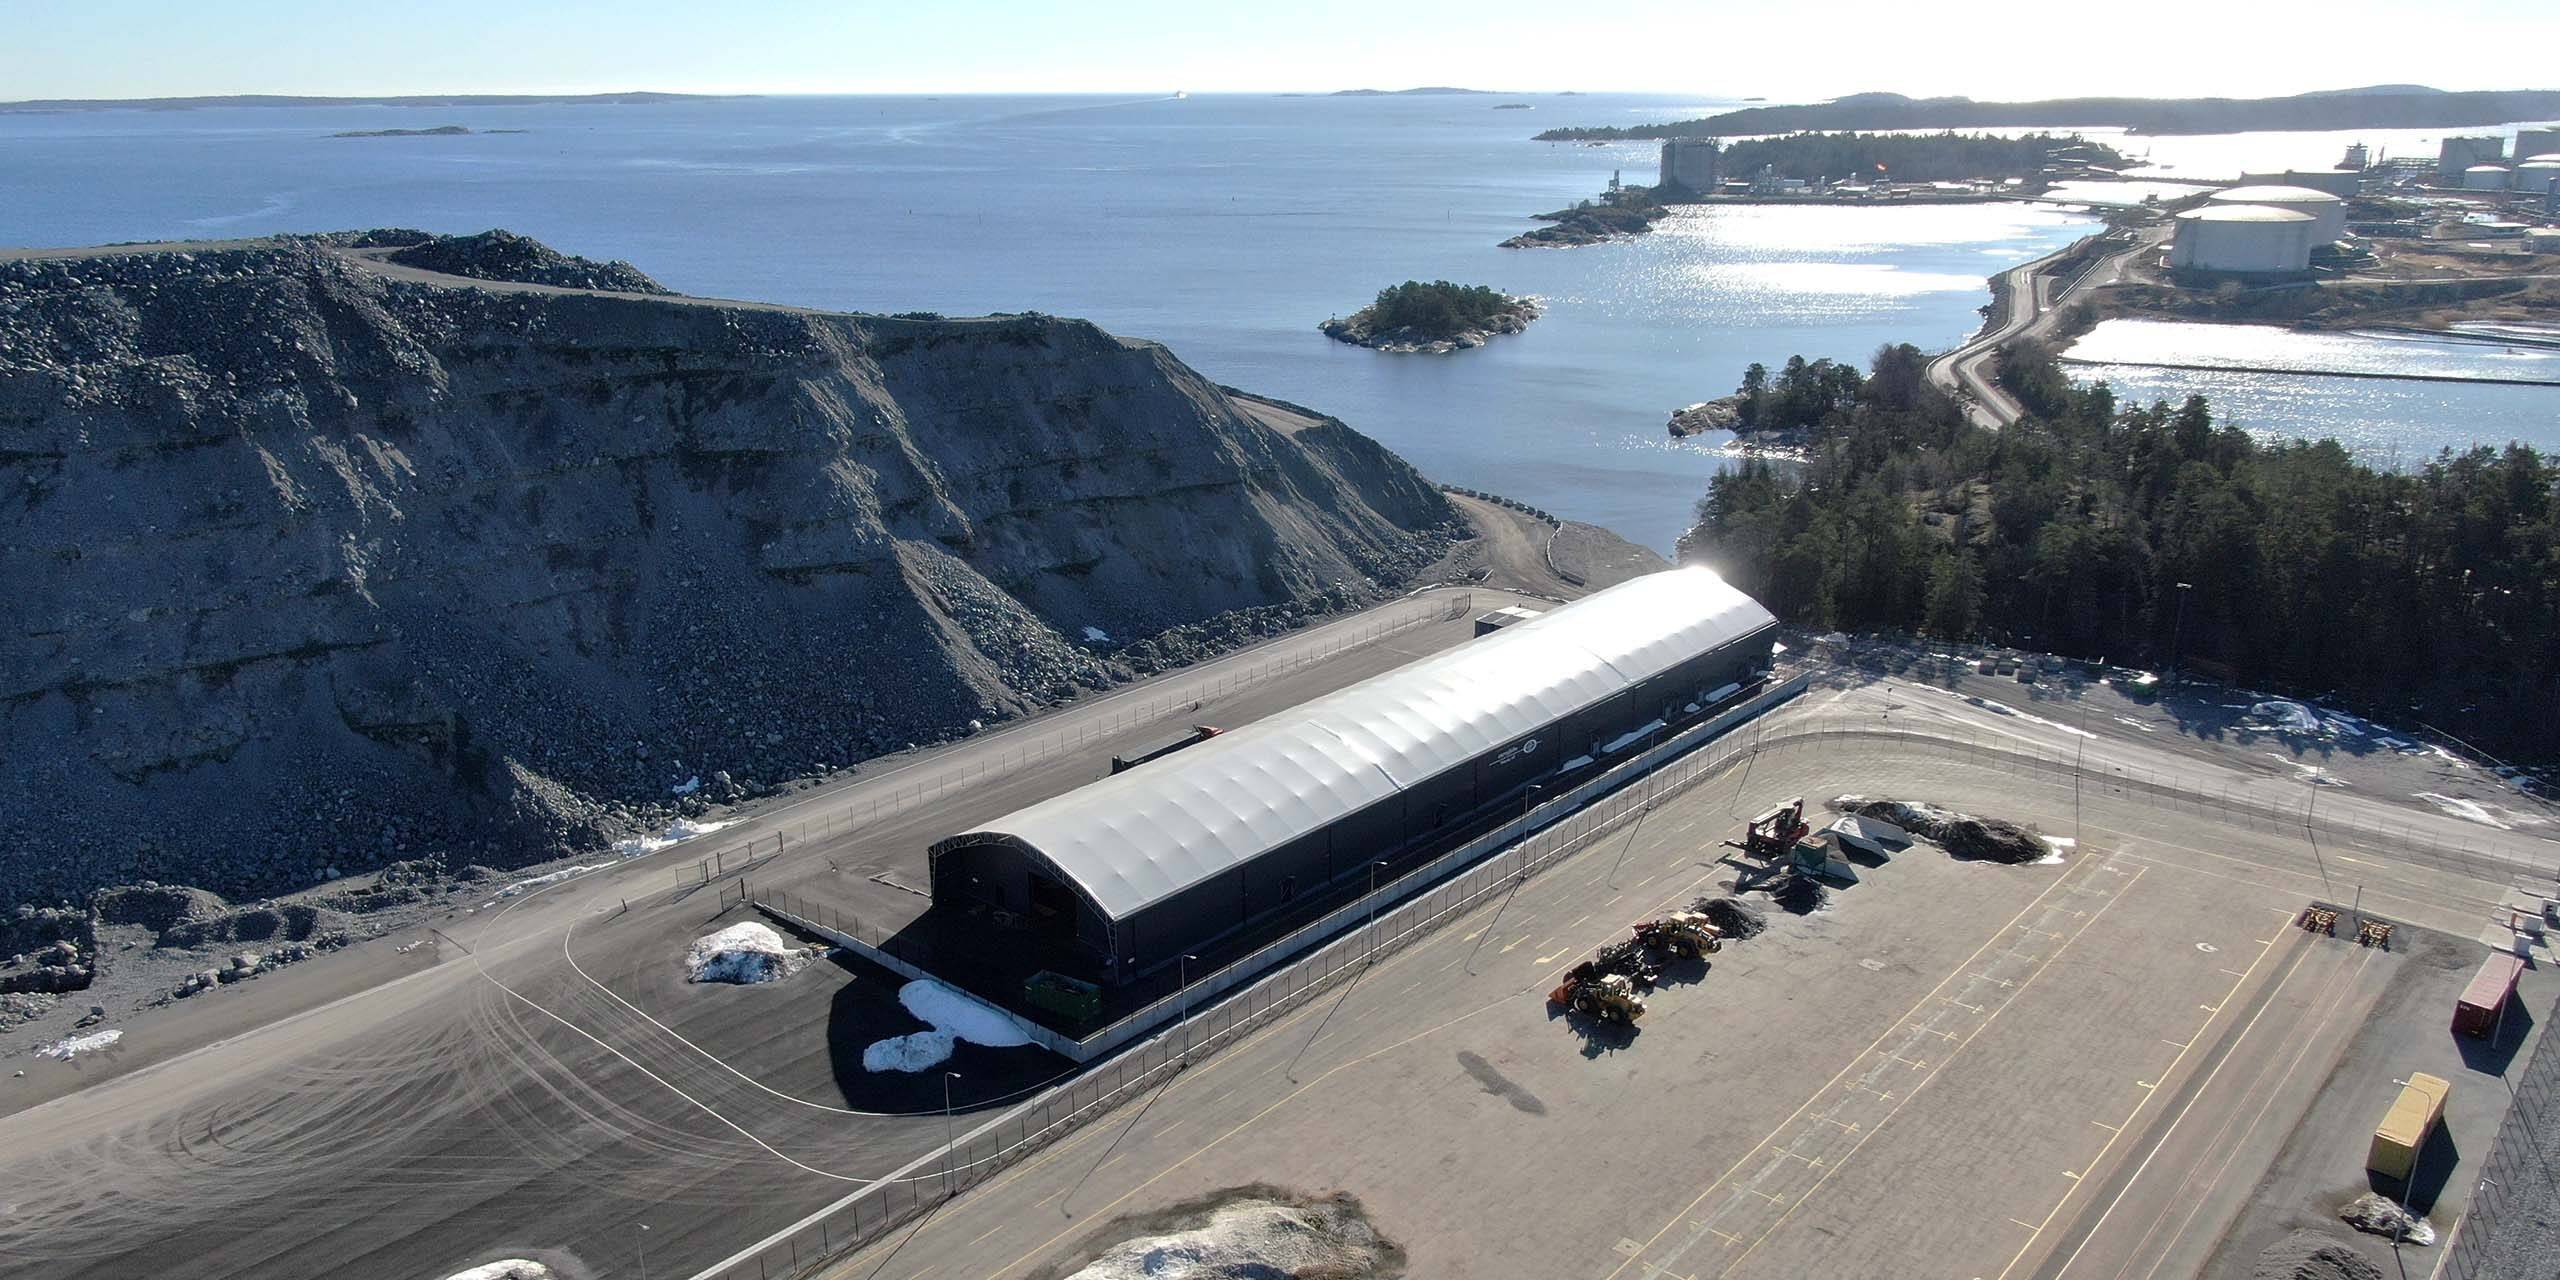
[504, 255]
[1357, 331]
[1708, 415]
[353, 568]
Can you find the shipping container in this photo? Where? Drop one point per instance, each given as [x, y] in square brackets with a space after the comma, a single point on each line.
[2404, 1128]
[2476, 1013]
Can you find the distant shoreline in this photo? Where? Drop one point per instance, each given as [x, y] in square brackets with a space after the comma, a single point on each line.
[43, 106]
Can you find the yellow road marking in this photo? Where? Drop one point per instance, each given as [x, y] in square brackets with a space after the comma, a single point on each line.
[1854, 1060]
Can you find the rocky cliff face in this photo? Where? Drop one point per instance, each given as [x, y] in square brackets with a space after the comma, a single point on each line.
[314, 565]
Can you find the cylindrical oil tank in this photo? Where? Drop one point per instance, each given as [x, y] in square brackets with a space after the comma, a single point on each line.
[2533, 144]
[2485, 177]
[2537, 175]
[2243, 237]
[2328, 212]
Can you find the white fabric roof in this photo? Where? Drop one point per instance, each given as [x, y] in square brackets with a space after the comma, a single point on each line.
[1136, 838]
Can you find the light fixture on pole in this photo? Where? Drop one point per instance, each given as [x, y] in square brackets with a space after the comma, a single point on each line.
[950, 1149]
[1184, 986]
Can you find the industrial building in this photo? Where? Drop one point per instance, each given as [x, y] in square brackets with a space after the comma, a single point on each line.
[1132, 872]
[2532, 144]
[2328, 212]
[1690, 164]
[2485, 177]
[2537, 176]
[2456, 155]
[2337, 182]
[2243, 237]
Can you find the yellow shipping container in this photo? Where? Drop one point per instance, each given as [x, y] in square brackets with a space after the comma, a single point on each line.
[2405, 1127]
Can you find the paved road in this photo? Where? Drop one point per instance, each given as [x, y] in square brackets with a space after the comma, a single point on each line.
[1966, 372]
[533, 1078]
[528, 1073]
[2031, 1085]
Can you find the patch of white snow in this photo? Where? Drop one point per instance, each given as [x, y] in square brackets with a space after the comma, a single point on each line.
[1096, 635]
[73, 1046]
[955, 1016]
[687, 787]
[506, 1269]
[2467, 810]
[744, 953]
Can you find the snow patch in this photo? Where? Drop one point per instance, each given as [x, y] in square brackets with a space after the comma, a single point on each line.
[1249, 1238]
[73, 1046]
[2280, 716]
[676, 833]
[2131, 723]
[2060, 846]
[745, 953]
[687, 787]
[2311, 773]
[1096, 635]
[954, 1015]
[506, 1269]
[2467, 810]
[2002, 708]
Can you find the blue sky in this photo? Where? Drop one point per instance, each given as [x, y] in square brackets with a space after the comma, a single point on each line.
[1988, 49]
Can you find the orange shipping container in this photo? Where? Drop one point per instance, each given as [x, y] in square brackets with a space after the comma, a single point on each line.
[2405, 1127]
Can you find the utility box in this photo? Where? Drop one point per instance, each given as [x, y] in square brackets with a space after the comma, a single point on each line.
[2476, 1013]
[1062, 995]
[2405, 1127]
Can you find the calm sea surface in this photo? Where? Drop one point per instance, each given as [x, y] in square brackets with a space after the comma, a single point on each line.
[2387, 421]
[1226, 227]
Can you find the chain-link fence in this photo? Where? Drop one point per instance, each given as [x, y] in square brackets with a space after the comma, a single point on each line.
[995, 1143]
[992, 1144]
[2512, 1229]
[1027, 745]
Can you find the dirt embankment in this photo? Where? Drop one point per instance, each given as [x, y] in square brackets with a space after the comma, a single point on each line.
[348, 563]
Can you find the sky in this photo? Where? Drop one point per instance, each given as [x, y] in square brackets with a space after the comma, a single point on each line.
[1990, 49]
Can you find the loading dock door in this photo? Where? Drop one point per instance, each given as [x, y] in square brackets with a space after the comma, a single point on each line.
[1053, 909]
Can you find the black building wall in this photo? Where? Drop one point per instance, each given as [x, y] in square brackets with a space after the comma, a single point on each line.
[1000, 875]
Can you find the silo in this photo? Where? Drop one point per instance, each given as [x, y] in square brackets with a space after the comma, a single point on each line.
[2485, 177]
[1690, 163]
[2328, 212]
[2536, 144]
[2243, 237]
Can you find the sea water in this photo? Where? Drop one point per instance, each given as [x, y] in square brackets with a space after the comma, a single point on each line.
[1224, 226]
[2388, 421]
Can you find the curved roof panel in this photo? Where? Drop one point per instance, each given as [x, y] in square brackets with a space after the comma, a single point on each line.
[2268, 194]
[2245, 213]
[1134, 839]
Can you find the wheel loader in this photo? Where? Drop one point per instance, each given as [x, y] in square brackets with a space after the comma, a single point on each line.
[1686, 934]
[1603, 997]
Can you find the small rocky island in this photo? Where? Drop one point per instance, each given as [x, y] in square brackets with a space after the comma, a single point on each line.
[1621, 211]
[439, 131]
[1435, 317]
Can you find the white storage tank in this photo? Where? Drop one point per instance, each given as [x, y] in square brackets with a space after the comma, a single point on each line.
[2537, 175]
[2534, 144]
[2485, 177]
[2328, 212]
[2243, 237]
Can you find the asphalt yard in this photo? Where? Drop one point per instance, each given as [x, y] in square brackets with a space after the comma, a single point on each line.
[1983, 1070]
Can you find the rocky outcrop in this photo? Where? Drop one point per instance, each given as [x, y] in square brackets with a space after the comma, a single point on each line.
[1361, 329]
[315, 566]
[504, 255]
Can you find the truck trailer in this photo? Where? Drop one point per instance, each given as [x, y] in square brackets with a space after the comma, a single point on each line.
[2476, 1013]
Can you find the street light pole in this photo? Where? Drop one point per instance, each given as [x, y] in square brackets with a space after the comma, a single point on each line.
[1374, 869]
[950, 1149]
[642, 1248]
[1184, 986]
